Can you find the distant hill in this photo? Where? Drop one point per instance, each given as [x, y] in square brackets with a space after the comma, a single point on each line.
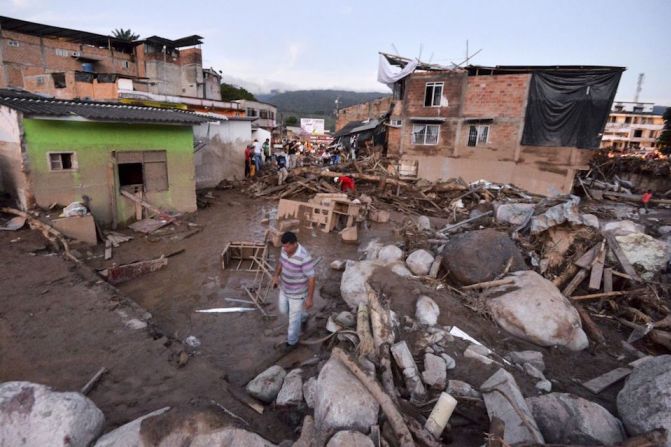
[316, 103]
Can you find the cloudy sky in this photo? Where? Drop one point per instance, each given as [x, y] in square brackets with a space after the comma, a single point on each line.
[333, 44]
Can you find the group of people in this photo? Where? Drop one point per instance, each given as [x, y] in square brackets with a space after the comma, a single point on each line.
[256, 155]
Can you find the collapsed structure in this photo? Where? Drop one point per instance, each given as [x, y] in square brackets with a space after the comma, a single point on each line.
[532, 126]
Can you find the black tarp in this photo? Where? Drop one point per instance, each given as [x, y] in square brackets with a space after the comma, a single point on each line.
[569, 108]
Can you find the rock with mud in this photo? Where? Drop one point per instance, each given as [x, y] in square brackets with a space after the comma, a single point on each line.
[513, 213]
[128, 435]
[646, 252]
[435, 371]
[354, 287]
[557, 215]
[481, 255]
[291, 392]
[34, 415]
[567, 419]
[534, 309]
[349, 438]
[309, 389]
[389, 254]
[419, 262]
[622, 227]
[521, 357]
[644, 403]
[342, 402]
[423, 223]
[267, 385]
[400, 270]
[427, 311]
[458, 388]
[228, 436]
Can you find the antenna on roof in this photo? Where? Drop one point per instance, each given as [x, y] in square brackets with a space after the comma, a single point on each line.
[430, 58]
[395, 49]
[469, 56]
[639, 86]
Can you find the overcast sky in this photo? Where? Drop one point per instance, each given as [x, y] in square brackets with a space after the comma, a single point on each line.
[333, 44]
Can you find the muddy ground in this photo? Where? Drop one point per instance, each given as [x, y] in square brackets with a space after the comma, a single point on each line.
[59, 323]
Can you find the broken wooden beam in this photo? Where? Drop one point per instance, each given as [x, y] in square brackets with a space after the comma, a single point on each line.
[94, 380]
[621, 257]
[120, 273]
[594, 296]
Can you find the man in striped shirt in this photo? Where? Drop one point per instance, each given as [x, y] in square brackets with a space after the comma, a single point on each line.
[295, 273]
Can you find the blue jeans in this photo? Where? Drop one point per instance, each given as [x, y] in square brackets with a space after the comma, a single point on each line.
[258, 161]
[293, 308]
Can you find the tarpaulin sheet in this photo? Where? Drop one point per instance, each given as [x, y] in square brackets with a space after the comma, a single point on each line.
[569, 108]
[388, 75]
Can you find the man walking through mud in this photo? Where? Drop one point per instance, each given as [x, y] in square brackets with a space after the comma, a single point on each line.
[295, 274]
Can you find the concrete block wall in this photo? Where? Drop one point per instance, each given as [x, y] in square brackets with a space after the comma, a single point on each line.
[360, 112]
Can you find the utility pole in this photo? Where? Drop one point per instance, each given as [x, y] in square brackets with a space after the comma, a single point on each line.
[639, 86]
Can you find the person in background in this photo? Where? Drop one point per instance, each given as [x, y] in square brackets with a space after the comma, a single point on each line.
[248, 160]
[346, 183]
[282, 172]
[266, 149]
[258, 161]
[292, 155]
[295, 274]
[646, 199]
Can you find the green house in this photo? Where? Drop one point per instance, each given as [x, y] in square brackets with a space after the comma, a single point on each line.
[55, 151]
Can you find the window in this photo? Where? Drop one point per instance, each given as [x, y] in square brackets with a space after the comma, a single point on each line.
[59, 80]
[396, 122]
[399, 89]
[638, 133]
[627, 120]
[478, 135]
[433, 94]
[147, 169]
[251, 112]
[62, 52]
[13, 43]
[62, 161]
[125, 64]
[425, 134]
[638, 109]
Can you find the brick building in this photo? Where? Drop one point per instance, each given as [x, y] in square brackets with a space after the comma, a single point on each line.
[498, 123]
[633, 125]
[361, 112]
[71, 64]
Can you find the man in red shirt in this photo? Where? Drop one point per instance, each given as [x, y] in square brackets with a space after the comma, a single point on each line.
[646, 199]
[346, 183]
[248, 159]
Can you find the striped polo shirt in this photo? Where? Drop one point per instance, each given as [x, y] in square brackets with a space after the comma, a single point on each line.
[296, 270]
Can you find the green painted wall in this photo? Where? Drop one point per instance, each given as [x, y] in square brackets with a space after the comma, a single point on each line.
[94, 143]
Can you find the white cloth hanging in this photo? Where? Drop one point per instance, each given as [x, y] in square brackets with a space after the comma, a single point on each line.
[386, 73]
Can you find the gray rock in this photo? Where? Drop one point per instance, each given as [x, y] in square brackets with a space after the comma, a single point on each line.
[400, 270]
[372, 249]
[423, 223]
[309, 389]
[521, 357]
[450, 363]
[567, 419]
[622, 227]
[354, 287]
[390, 254]
[427, 311]
[590, 220]
[291, 392]
[411, 376]
[458, 388]
[128, 435]
[342, 402]
[338, 265]
[472, 352]
[350, 439]
[645, 251]
[345, 319]
[664, 230]
[419, 262]
[34, 415]
[135, 324]
[535, 310]
[267, 385]
[498, 392]
[482, 255]
[513, 213]
[435, 371]
[544, 385]
[557, 215]
[644, 403]
[533, 371]
[229, 436]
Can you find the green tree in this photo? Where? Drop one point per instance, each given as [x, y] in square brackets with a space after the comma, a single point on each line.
[231, 93]
[291, 121]
[125, 34]
[664, 141]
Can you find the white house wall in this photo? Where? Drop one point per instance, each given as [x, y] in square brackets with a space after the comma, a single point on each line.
[12, 177]
[222, 152]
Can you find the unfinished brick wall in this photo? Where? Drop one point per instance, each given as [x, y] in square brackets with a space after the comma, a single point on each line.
[360, 112]
[496, 96]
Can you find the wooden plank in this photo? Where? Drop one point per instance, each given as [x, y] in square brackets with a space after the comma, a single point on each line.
[608, 280]
[575, 282]
[108, 249]
[597, 268]
[593, 296]
[588, 257]
[598, 384]
[621, 257]
[142, 202]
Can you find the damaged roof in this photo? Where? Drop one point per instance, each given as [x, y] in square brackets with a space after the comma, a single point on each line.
[37, 106]
[357, 127]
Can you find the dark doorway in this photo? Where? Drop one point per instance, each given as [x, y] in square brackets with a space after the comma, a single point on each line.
[130, 174]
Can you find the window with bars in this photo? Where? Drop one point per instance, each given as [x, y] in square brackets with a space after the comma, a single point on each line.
[425, 134]
[478, 135]
[62, 161]
[433, 92]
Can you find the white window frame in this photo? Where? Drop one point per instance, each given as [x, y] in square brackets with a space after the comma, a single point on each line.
[13, 43]
[433, 93]
[479, 129]
[73, 161]
[415, 130]
[61, 52]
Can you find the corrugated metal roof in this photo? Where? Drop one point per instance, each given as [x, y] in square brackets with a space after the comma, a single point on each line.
[32, 105]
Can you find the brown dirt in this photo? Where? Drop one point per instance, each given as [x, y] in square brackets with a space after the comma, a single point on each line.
[59, 324]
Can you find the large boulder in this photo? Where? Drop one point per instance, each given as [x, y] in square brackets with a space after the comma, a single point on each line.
[645, 251]
[389, 254]
[419, 262]
[644, 403]
[267, 385]
[128, 435]
[557, 215]
[32, 414]
[535, 310]
[354, 287]
[427, 311]
[567, 419]
[342, 402]
[622, 227]
[481, 255]
[291, 392]
[350, 439]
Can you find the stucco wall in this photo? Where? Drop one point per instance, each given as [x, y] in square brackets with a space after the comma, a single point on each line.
[94, 144]
[223, 154]
[12, 179]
